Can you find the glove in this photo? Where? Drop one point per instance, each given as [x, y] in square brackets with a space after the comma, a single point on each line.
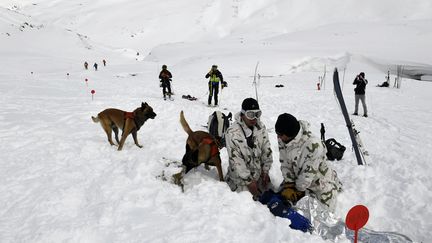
[290, 193]
[298, 221]
[265, 179]
[253, 188]
[224, 84]
[268, 196]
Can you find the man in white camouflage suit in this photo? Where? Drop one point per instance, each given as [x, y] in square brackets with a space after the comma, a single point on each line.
[250, 155]
[304, 163]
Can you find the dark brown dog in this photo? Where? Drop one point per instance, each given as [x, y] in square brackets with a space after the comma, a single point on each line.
[129, 122]
[201, 147]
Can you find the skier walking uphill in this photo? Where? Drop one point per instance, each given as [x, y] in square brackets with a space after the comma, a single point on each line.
[165, 78]
[360, 93]
[215, 78]
[304, 163]
[249, 151]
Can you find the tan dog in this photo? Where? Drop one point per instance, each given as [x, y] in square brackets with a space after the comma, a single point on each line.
[129, 122]
[201, 147]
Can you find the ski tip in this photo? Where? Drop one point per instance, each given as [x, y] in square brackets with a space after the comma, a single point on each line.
[335, 75]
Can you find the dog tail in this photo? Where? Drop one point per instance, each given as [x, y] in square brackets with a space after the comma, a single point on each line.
[184, 124]
[95, 119]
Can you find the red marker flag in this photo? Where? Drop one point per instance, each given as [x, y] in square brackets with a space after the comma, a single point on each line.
[356, 218]
[92, 92]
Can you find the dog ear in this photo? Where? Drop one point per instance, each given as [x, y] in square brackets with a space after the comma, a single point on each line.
[143, 106]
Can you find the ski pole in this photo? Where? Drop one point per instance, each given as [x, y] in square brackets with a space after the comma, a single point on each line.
[172, 87]
[220, 95]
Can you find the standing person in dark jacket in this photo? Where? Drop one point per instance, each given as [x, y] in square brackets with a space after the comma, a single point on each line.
[215, 78]
[165, 78]
[360, 93]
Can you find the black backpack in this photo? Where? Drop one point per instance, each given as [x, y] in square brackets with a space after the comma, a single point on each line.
[335, 150]
[217, 125]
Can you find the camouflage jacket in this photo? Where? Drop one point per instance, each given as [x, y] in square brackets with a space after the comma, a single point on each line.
[304, 163]
[246, 163]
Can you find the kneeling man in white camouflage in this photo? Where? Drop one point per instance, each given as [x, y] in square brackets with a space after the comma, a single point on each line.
[250, 155]
[304, 163]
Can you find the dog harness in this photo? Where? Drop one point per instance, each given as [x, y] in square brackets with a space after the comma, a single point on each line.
[214, 150]
[129, 115]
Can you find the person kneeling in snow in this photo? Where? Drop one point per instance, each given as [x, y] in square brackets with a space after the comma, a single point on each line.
[249, 151]
[304, 163]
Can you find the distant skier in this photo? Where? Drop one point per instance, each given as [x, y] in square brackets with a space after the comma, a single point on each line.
[360, 93]
[104, 62]
[86, 65]
[95, 66]
[215, 78]
[165, 78]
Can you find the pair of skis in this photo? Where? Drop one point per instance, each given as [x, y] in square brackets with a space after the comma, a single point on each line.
[358, 147]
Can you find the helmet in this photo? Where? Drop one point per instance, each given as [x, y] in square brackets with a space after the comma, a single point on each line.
[164, 66]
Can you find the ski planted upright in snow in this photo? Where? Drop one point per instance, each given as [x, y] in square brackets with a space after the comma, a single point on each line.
[349, 123]
[255, 81]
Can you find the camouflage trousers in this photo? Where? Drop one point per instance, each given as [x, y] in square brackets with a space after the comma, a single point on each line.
[327, 193]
